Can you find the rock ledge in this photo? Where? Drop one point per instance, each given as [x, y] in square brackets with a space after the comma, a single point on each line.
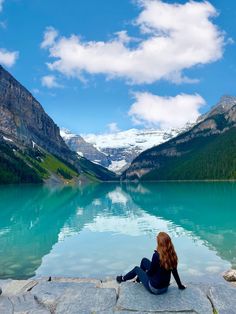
[84, 296]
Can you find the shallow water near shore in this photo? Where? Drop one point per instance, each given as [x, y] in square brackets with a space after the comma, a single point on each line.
[105, 229]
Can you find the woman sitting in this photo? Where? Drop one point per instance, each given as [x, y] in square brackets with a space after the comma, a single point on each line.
[155, 275]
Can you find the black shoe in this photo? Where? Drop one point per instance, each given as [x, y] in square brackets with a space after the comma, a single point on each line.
[137, 280]
[0, 291]
[120, 279]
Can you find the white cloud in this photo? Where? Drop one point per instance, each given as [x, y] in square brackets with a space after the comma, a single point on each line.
[49, 37]
[1, 3]
[3, 24]
[165, 112]
[173, 37]
[49, 81]
[8, 58]
[35, 91]
[113, 128]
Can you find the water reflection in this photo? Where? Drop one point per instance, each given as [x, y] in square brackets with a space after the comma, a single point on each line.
[103, 229]
[205, 209]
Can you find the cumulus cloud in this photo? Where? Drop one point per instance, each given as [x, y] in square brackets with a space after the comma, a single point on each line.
[50, 81]
[35, 91]
[172, 38]
[113, 128]
[1, 3]
[8, 58]
[3, 24]
[49, 37]
[165, 112]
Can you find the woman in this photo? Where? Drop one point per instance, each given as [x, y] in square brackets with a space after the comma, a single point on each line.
[155, 275]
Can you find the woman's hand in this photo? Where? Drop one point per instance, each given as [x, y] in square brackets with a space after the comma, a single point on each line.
[182, 287]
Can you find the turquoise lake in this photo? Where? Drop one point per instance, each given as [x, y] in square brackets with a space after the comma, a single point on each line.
[105, 229]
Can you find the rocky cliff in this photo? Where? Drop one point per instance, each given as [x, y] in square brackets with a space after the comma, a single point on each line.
[84, 149]
[23, 118]
[25, 125]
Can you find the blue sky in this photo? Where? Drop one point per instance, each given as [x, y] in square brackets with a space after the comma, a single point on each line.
[143, 76]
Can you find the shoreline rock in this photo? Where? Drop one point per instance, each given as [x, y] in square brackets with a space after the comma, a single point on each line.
[88, 295]
[230, 275]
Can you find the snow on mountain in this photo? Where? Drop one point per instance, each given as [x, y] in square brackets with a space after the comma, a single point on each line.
[123, 146]
[66, 134]
[117, 150]
[143, 139]
[83, 148]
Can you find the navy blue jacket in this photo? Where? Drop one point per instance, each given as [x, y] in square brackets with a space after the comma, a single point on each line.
[159, 276]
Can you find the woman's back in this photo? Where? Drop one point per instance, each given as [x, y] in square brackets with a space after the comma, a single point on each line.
[159, 276]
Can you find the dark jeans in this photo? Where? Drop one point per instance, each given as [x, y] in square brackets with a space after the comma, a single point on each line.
[141, 272]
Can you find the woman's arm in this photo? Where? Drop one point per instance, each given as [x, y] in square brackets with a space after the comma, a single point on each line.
[177, 279]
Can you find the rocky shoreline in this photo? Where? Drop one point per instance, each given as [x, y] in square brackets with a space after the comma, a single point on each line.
[84, 296]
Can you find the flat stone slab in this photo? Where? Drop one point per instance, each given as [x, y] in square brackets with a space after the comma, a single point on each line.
[92, 300]
[135, 297]
[21, 304]
[223, 298]
[6, 306]
[49, 293]
[96, 282]
[13, 287]
[90, 296]
[135, 312]
[66, 297]
[110, 284]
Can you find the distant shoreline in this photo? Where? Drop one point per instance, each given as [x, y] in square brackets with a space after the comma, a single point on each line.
[117, 182]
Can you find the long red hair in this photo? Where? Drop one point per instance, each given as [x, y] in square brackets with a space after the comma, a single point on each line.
[166, 250]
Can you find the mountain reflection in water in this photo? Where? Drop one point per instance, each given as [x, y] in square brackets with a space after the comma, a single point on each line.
[104, 229]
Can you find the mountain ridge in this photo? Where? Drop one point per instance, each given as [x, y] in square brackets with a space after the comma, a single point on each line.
[206, 151]
[117, 150]
[27, 130]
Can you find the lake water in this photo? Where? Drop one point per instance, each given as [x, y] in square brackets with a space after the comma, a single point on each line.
[105, 229]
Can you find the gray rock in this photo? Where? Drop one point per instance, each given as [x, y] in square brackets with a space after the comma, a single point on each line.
[6, 306]
[4, 283]
[110, 284]
[66, 297]
[88, 300]
[21, 304]
[13, 287]
[95, 282]
[128, 312]
[49, 293]
[135, 297]
[230, 275]
[26, 303]
[223, 298]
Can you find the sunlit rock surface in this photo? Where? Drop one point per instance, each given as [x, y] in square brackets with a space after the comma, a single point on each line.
[81, 295]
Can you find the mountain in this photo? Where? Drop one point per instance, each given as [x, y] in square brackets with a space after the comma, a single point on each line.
[84, 149]
[117, 150]
[207, 151]
[31, 148]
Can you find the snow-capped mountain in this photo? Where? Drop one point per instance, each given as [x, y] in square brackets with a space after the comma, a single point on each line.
[117, 150]
[84, 149]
